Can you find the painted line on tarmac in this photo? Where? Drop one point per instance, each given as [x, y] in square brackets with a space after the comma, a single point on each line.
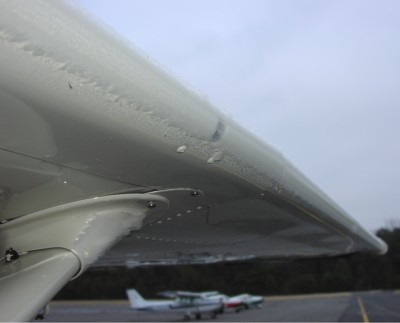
[383, 309]
[310, 296]
[362, 309]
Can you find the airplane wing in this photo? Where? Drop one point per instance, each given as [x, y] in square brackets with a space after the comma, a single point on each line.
[97, 143]
[168, 294]
[173, 294]
[184, 294]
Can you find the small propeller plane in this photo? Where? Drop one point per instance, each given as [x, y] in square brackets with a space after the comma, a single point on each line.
[188, 303]
[245, 301]
[237, 302]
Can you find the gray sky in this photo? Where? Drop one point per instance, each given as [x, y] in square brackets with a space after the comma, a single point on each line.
[319, 80]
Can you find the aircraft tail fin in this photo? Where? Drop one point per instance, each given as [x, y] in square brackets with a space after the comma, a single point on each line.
[135, 298]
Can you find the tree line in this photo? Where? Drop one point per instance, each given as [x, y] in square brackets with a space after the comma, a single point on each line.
[320, 275]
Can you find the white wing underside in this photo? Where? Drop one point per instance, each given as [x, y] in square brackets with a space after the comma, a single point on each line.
[87, 121]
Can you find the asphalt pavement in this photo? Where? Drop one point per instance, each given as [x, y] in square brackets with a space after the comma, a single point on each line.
[371, 306]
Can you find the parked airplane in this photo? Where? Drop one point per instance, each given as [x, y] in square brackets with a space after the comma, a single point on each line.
[188, 303]
[96, 142]
[243, 301]
[238, 302]
[212, 295]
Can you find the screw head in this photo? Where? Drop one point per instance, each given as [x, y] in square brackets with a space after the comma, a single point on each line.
[151, 204]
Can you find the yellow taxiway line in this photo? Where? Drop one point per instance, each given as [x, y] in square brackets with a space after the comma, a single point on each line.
[362, 309]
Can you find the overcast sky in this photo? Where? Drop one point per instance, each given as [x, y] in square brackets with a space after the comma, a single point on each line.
[319, 80]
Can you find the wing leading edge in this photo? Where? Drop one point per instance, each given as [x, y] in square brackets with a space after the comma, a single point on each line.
[83, 116]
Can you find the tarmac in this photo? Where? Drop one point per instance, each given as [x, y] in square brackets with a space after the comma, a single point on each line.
[371, 306]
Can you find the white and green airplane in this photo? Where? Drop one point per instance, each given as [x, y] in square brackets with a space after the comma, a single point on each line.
[187, 303]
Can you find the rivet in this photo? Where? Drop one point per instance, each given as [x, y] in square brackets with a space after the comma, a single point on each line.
[151, 204]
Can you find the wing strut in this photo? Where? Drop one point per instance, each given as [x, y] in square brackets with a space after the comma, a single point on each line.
[30, 282]
[44, 250]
